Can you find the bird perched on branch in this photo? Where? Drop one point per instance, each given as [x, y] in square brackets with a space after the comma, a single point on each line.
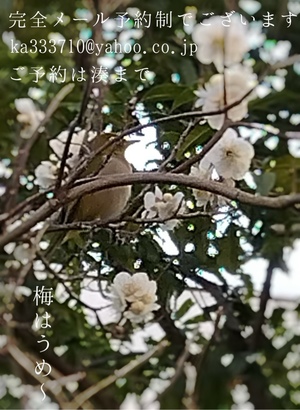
[104, 205]
[107, 204]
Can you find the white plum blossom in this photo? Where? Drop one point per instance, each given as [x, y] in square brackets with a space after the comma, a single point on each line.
[239, 80]
[58, 145]
[133, 402]
[163, 206]
[273, 52]
[219, 44]
[22, 253]
[134, 296]
[205, 198]
[45, 174]
[231, 156]
[28, 115]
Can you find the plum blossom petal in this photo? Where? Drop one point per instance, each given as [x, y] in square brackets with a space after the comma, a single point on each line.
[58, 145]
[133, 402]
[22, 253]
[25, 105]
[149, 204]
[203, 170]
[273, 52]
[158, 193]
[45, 174]
[231, 156]
[239, 80]
[219, 44]
[164, 206]
[203, 198]
[134, 296]
[28, 116]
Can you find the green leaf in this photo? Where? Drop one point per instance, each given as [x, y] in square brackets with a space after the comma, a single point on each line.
[163, 92]
[182, 98]
[265, 182]
[184, 308]
[274, 99]
[169, 136]
[194, 320]
[287, 169]
[229, 251]
[197, 136]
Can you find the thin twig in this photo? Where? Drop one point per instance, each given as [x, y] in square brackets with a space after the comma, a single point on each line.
[23, 206]
[28, 365]
[177, 146]
[199, 364]
[77, 122]
[207, 147]
[178, 369]
[81, 398]
[288, 135]
[63, 282]
[23, 154]
[260, 316]
[88, 226]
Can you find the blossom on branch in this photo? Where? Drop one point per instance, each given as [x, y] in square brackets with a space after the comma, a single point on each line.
[45, 174]
[29, 116]
[134, 296]
[239, 81]
[219, 44]
[47, 171]
[231, 156]
[58, 145]
[205, 198]
[163, 206]
[22, 253]
[133, 402]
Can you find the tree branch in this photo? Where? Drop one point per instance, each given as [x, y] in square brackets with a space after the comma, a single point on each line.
[81, 398]
[260, 318]
[23, 154]
[113, 181]
[207, 147]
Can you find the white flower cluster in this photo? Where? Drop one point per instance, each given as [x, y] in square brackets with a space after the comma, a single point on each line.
[239, 80]
[58, 144]
[46, 172]
[230, 158]
[134, 402]
[134, 296]
[228, 161]
[21, 252]
[225, 47]
[163, 206]
[28, 116]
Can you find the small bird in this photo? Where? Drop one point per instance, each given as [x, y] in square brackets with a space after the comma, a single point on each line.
[107, 204]
[104, 205]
